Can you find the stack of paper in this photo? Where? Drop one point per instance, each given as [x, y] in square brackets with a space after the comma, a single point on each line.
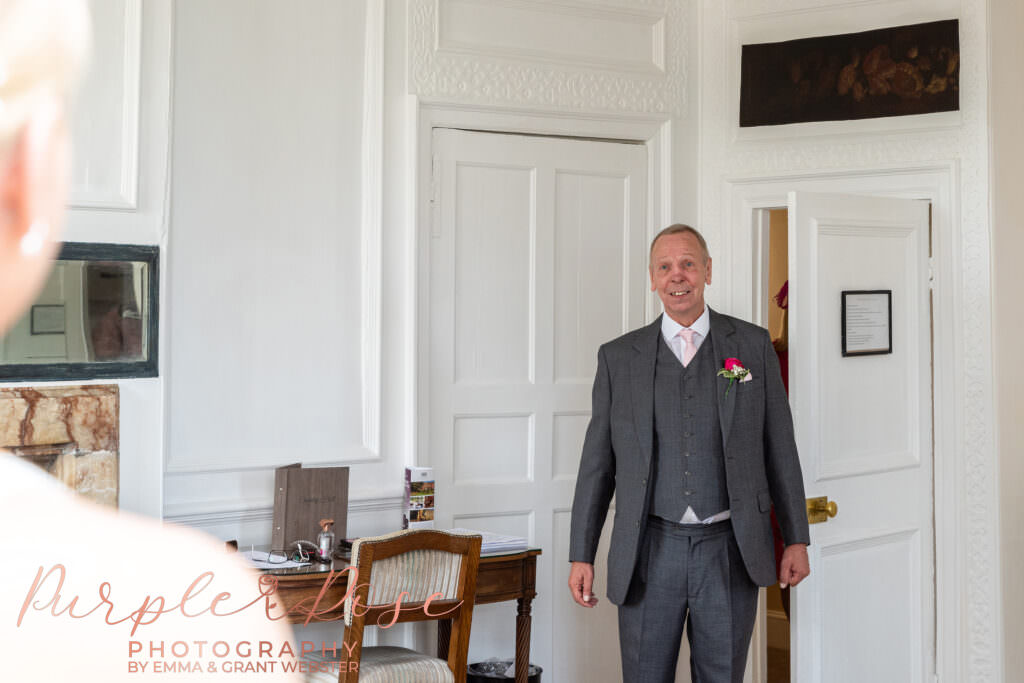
[496, 543]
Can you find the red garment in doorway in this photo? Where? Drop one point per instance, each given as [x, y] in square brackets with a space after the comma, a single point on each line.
[782, 352]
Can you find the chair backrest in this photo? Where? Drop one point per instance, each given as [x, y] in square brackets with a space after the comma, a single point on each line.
[402, 571]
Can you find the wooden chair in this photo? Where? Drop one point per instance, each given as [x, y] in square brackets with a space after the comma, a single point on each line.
[408, 567]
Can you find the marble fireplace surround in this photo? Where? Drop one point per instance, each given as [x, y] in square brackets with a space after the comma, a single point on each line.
[71, 432]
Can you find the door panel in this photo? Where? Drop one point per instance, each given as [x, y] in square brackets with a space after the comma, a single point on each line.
[886, 636]
[863, 426]
[536, 257]
[588, 301]
[492, 234]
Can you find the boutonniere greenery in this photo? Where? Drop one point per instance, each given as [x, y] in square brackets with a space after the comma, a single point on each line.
[734, 372]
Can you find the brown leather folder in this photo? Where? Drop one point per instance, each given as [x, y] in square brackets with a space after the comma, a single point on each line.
[302, 497]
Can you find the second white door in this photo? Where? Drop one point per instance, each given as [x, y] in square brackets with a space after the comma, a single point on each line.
[864, 431]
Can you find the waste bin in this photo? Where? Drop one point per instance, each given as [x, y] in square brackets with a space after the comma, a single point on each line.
[499, 670]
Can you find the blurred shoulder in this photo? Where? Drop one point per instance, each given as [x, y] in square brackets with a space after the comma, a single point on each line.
[155, 582]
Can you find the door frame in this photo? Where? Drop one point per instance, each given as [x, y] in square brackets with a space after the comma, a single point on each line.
[654, 132]
[746, 198]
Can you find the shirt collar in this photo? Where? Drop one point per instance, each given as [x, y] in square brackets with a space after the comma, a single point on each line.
[702, 325]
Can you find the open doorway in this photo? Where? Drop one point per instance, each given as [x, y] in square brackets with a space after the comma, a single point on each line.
[774, 308]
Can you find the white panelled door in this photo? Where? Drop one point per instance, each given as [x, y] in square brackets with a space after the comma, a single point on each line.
[863, 427]
[537, 255]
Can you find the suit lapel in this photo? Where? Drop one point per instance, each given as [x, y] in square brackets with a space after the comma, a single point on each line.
[642, 374]
[724, 345]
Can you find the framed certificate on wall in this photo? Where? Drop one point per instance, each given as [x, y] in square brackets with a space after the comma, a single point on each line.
[867, 322]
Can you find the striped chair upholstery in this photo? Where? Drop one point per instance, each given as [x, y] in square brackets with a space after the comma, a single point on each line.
[387, 665]
[407, 567]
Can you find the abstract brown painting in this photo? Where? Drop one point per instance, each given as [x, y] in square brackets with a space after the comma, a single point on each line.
[886, 72]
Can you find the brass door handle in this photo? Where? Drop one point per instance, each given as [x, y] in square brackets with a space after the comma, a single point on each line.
[820, 509]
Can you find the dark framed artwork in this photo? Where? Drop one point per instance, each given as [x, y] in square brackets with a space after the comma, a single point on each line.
[896, 71]
[867, 322]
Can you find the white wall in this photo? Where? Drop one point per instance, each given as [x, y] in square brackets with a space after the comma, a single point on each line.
[1007, 146]
[265, 300]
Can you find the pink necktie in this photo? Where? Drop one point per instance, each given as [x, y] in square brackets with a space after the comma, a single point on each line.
[689, 349]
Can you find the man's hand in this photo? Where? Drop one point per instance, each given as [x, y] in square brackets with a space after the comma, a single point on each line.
[581, 583]
[794, 567]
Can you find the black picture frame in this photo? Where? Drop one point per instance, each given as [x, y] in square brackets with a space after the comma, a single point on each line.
[867, 323]
[148, 366]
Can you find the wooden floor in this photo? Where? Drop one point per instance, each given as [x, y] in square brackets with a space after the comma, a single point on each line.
[778, 665]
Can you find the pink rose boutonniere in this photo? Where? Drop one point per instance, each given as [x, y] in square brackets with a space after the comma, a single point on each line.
[734, 371]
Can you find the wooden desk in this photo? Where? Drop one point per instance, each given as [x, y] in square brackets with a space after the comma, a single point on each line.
[501, 577]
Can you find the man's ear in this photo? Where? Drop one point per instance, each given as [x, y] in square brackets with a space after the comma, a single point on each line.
[707, 280]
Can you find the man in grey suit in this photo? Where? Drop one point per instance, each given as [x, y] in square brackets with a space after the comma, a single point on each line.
[696, 460]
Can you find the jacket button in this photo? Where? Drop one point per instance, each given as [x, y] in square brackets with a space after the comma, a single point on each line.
[636, 524]
[643, 482]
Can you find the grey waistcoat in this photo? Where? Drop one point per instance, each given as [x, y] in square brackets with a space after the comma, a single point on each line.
[689, 468]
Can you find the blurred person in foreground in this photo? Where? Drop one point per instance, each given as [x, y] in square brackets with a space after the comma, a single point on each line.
[76, 578]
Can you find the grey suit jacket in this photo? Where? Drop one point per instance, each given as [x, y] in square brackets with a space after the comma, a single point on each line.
[761, 461]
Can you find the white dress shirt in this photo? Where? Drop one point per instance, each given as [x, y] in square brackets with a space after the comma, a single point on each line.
[670, 331]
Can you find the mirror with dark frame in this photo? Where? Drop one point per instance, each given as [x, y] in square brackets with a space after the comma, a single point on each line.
[96, 317]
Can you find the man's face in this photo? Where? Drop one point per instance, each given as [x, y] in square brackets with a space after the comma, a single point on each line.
[679, 272]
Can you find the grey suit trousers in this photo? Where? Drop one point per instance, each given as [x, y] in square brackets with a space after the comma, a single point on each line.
[692, 574]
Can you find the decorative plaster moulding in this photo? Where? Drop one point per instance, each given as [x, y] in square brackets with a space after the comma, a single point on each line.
[948, 123]
[551, 77]
[759, 9]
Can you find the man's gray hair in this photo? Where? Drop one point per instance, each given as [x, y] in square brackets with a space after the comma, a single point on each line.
[677, 228]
